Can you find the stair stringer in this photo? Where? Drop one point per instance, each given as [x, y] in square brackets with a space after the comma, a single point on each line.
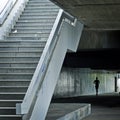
[68, 35]
[64, 36]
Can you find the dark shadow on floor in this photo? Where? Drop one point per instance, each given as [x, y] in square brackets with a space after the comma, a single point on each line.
[112, 100]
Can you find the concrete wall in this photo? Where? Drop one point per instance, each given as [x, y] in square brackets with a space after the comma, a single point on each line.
[76, 81]
[99, 40]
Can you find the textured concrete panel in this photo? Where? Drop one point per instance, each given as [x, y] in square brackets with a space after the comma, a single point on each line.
[99, 39]
[76, 82]
[68, 111]
[95, 14]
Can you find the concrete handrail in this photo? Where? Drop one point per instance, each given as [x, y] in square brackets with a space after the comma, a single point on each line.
[3, 6]
[5, 9]
[40, 71]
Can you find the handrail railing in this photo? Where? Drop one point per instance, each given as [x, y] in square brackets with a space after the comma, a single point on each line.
[40, 71]
[5, 9]
[3, 6]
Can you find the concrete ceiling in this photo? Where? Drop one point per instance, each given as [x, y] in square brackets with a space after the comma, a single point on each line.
[95, 14]
[101, 19]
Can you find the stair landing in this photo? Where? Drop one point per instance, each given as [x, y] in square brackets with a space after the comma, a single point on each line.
[68, 111]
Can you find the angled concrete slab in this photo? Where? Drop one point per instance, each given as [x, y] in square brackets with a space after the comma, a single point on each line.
[68, 111]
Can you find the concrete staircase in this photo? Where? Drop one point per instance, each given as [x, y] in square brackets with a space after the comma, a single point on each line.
[20, 53]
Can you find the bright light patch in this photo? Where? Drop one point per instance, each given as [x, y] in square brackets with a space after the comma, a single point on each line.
[118, 84]
[3, 3]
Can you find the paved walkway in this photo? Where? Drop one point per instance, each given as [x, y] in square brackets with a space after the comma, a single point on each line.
[104, 107]
[59, 111]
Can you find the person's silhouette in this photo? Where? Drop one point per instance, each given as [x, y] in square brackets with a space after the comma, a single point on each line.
[96, 82]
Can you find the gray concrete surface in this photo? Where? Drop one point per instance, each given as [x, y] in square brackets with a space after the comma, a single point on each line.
[95, 14]
[78, 81]
[109, 111]
[68, 111]
[104, 113]
[103, 107]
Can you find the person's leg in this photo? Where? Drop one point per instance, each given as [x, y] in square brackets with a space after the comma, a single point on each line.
[96, 87]
[96, 91]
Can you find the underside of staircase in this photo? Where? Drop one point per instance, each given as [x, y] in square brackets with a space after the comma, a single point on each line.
[20, 52]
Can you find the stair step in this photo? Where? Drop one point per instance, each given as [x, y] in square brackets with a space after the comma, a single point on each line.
[41, 4]
[34, 27]
[43, 28]
[40, 13]
[40, 0]
[22, 43]
[37, 20]
[33, 23]
[13, 88]
[9, 103]
[50, 8]
[9, 59]
[13, 82]
[7, 110]
[36, 17]
[41, 10]
[17, 70]
[12, 117]
[16, 76]
[21, 49]
[11, 96]
[28, 34]
[40, 24]
[18, 64]
[20, 54]
[34, 31]
[28, 29]
[25, 46]
[27, 38]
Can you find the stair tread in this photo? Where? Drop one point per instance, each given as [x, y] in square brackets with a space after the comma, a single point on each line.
[13, 86]
[21, 46]
[18, 56]
[12, 93]
[33, 28]
[16, 73]
[10, 115]
[17, 80]
[11, 100]
[17, 67]
[7, 107]
[27, 37]
[35, 24]
[21, 51]
[20, 62]
[29, 32]
[21, 41]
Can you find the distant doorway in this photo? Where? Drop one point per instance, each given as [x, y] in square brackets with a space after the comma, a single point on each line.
[118, 85]
[115, 84]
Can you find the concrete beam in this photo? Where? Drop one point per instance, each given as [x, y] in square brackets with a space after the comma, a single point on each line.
[100, 14]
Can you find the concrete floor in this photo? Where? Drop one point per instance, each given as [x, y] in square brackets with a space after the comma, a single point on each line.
[107, 108]
[63, 111]
[104, 107]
